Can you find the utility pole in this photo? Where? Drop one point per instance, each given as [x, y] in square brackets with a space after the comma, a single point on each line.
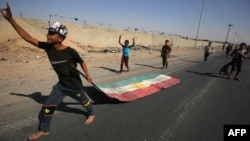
[199, 23]
[229, 26]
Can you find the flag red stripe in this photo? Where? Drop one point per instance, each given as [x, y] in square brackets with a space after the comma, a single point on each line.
[136, 94]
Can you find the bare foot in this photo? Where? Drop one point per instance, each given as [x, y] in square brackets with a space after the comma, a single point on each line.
[90, 119]
[38, 135]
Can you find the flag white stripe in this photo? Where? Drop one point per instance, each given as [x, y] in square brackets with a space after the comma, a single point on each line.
[135, 86]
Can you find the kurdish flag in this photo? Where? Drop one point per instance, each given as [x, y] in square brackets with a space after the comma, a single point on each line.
[137, 87]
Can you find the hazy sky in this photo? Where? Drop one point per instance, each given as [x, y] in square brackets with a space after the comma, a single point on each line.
[170, 16]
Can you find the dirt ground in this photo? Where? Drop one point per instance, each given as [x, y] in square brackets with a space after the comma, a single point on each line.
[27, 70]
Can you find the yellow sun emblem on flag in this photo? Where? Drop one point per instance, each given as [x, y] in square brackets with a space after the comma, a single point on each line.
[139, 85]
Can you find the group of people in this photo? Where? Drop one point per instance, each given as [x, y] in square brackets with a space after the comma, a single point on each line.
[236, 63]
[64, 60]
[165, 53]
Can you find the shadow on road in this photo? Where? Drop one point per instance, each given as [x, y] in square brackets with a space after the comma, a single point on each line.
[148, 66]
[109, 69]
[63, 106]
[198, 62]
[96, 96]
[208, 74]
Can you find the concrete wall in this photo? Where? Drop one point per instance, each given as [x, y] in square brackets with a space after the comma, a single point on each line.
[103, 37]
[96, 37]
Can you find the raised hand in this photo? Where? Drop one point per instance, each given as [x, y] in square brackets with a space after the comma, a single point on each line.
[6, 12]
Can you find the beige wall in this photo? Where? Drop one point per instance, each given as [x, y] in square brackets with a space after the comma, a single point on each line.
[91, 36]
[103, 37]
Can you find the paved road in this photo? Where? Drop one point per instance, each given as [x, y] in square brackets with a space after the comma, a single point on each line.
[194, 110]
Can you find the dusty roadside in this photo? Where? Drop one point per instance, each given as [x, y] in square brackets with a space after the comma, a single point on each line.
[38, 75]
[26, 85]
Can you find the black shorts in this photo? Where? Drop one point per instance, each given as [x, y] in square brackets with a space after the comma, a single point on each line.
[236, 63]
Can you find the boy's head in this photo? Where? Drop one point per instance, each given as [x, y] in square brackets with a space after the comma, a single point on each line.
[58, 28]
[243, 45]
[126, 42]
[166, 42]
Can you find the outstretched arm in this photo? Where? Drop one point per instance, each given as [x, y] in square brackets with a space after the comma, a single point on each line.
[119, 40]
[6, 12]
[133, 42]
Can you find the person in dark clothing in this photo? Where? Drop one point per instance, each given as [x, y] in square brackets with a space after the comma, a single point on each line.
[165, 54]
[207, 51]
[64, 61]
[238, 55]
[229, 49]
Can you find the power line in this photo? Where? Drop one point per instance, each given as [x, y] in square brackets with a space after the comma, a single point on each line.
[218, 9]
[199, 23]
[220, 15]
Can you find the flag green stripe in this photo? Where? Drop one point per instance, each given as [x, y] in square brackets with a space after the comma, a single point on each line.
[133, 80]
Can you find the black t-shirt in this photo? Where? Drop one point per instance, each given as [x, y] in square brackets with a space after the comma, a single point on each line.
[238, 54]
[165, 50]
[64, 63]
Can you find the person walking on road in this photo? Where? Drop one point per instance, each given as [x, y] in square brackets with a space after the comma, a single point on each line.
[229, 49]
[238, 55]
[64, 61]
[207, 51]
[165, 54]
